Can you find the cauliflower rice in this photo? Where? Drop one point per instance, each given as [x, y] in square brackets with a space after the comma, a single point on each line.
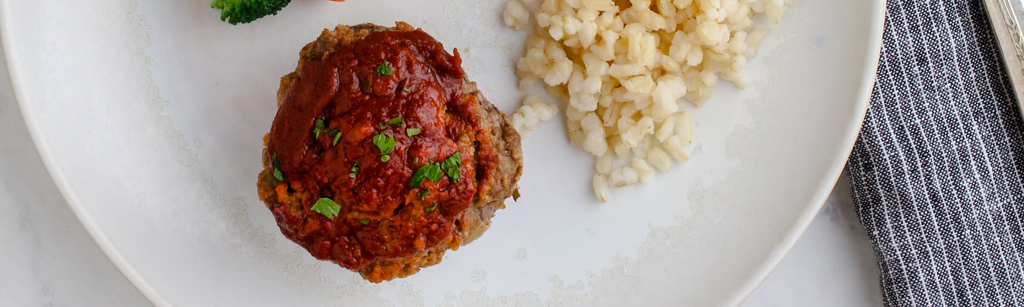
[622, 72]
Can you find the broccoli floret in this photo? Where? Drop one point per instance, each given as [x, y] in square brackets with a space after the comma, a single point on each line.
[245, 11]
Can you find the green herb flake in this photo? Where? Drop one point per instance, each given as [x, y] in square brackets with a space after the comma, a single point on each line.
[413, 131]
[451, 166]
[327, 207]
[355, 171]
[364, 221]
[384, 69]
[415, 161]
[405, 89]
[386, 144]
[337, 137]
[431, 208]
[277, 168]
[317, 127]
[515, 195]
[434, 173]
[430, 171]
[397, 121]
[423, 194]
[385, 158]
[278, 175]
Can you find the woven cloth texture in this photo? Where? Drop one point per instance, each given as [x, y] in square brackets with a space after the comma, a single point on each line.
[937, 172]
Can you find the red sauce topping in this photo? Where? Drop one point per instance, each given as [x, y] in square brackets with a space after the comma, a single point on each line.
[346, 90]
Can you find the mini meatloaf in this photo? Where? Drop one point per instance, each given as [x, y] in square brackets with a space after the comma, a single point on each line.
[382, 155]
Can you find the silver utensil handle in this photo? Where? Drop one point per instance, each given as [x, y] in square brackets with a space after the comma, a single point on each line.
[1006, 17]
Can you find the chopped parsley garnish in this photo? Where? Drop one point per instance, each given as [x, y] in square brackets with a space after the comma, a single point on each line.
[397, 121]
[431, 208]
[355, 170]
[434, 172]
[413, 131]
[278, 175]
[277, 168]
[386, 144]
[384, 69]
[327, 207]
[430, 171]
[337, 136]
[364, 221]
[317, 127]
[405, 89]
[423, 194]
[451, 166]
[515, 195]
[415, 160]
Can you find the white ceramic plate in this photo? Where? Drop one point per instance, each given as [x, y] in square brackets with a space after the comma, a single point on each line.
[150, 115]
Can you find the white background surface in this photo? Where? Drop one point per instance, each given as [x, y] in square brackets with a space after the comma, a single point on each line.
[47, 258]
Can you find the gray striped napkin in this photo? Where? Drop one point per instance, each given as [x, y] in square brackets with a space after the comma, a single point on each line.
[938, 169]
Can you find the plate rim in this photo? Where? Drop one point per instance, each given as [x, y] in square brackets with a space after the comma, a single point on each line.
[804, 221]
[57, 176]
[738, 296]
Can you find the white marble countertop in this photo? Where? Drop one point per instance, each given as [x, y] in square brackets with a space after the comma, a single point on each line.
[49, 260]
